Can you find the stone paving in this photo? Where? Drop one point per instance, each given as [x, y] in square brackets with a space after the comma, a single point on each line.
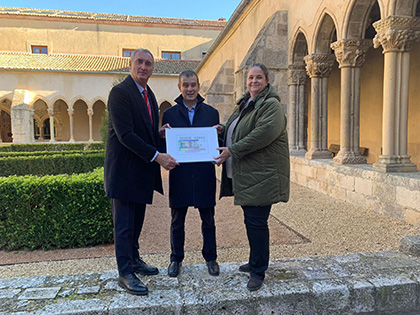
[385, 282]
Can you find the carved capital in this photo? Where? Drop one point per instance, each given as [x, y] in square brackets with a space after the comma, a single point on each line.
[90, 112]
[319, 65]
[396, 33]
[50, 112]
[351, 52]
[70, 111]
[296, 75]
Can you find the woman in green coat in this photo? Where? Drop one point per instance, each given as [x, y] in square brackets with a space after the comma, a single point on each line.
[256, 166]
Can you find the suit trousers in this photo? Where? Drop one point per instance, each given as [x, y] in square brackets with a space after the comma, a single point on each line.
[128, 222]
[208, 230]
[256, 223]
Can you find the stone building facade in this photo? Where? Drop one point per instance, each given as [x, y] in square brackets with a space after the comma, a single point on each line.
[347, 73]
[57, 67]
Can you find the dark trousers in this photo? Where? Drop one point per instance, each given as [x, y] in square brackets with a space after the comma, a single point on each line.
[256, 222]
[208, 229]
[128, 222]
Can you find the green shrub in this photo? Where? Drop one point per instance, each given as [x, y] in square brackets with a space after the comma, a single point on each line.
[43, 153]
[57, 146]
[59, 163]
[54, 211]
[104, 128]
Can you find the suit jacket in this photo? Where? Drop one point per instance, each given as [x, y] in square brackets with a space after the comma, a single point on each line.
[132, 142]
[192, 184]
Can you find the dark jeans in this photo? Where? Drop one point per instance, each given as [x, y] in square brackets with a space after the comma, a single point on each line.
[128, 222]
[208, 230]
[256, 222]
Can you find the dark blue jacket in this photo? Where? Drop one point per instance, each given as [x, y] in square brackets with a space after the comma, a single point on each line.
[192, 184]
[132, 142]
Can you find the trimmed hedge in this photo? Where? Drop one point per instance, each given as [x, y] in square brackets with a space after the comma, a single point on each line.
[54, 211]
[39, 153]
[50, 147]
[58, 163]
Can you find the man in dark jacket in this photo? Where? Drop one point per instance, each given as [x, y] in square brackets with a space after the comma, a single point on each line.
[191, 184]
[132, 166]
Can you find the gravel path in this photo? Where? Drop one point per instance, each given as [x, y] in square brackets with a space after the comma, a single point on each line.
[321, 226]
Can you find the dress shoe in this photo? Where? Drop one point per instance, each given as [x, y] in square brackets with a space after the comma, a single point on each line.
[132, 285]
[213, 268]
[140, 267]
[173, 269]
[244, 268]
[254, 284]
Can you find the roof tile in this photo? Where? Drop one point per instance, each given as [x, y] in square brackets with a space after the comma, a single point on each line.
[85, 63]
[110, 17]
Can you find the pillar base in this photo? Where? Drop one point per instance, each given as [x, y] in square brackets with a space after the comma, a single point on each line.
[298, 152]
[318, 154]
[349, 158]
[388, 168]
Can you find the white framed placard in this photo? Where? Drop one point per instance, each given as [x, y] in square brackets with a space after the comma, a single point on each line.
[195, 144]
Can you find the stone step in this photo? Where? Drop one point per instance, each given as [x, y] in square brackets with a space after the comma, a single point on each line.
[373, 283]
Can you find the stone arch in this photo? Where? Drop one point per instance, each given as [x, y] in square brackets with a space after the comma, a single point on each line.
[40, 98]
[403, 7]
[80, 120]
[326, 34]
[5, 121]
[299, 48]
[361, 15]
[61, 120]
[5, 105]
[41, 119]
[79, 98]
[164, 105]
[99, 110]
[96, 99]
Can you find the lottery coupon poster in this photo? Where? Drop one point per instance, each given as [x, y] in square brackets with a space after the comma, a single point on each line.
[192, 144]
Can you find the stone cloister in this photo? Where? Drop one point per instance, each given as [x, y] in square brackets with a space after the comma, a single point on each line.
[366, 27]
[37, 119]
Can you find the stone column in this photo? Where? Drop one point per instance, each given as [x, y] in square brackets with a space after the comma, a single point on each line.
[318, 67]
[296, 120]
[90, 114]
[350, 54]
[70, 111]
[51, 114]
[21, 115]
[41, 132]
[396, 35]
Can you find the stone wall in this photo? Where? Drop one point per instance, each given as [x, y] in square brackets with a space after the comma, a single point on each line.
[394, 194]
[221, 94]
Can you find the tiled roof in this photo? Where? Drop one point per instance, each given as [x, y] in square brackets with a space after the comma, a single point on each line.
[174, 66]
[84, 63]
[87, 16]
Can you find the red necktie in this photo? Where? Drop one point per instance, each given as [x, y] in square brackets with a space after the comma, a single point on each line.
[146, 99]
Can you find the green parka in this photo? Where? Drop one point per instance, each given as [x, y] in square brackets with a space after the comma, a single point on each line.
[260, 152]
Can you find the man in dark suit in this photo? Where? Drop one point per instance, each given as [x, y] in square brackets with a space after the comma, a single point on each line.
[132, 166]
[191, 184]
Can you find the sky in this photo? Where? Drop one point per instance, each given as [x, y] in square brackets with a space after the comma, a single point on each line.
[187, 9]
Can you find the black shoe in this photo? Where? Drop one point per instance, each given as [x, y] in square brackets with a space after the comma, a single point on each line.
[244, 268]
[254, 284]
[144, 269]
[213, 268]
[132, 285]
[173, 269]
